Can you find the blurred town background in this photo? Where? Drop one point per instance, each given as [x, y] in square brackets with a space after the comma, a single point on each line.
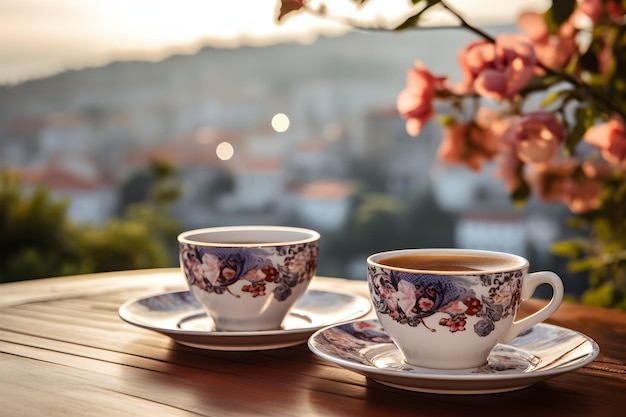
[291, 134]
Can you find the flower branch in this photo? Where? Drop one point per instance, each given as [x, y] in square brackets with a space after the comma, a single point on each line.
[572, 149]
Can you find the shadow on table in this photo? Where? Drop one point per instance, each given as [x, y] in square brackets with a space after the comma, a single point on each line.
[542, 398]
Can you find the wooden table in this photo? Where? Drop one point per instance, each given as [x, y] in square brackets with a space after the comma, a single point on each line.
[65, 352]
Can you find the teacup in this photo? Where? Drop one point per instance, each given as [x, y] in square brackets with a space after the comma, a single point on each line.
[247, 278]
[448, 308]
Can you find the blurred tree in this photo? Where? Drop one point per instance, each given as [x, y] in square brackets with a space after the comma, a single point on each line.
[38, 240]
[382, 222]
[425, 225]
[136, 189]
[218, 183]
[371, 228]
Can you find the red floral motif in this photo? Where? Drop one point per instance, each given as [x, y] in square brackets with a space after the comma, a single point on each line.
[473, 305]
[255, 289]
[271, 273]
[455, 323]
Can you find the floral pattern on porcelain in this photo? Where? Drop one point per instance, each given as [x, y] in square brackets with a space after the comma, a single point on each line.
[216, 269]
[410, 298]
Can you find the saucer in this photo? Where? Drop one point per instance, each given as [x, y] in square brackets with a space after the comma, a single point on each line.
[542, 352]
[179, 316]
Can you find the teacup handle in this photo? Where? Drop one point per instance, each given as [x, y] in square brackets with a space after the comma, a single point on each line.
[531, 282]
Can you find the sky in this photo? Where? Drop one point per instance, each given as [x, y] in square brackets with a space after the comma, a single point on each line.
[39, 38]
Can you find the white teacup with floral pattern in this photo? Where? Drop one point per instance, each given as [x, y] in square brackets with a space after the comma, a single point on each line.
[448, 308]
[247, 278]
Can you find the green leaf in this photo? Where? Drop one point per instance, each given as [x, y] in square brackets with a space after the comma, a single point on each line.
[376, 204]
[557, 14]
[541, 83]
[602, 296]
[584, 120]
[589, 60]
[521, 194]
[584, 264]
[410, 22]
[446, 119]
[576, 223]
[567, 248]
[413, 21]
[553, 96]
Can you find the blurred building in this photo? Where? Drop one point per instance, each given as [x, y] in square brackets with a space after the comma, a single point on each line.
[325, 205]
[487, 230]
[74, 177]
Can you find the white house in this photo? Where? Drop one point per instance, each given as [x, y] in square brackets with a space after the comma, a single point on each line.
[503, 232]
[324, 205]
[91, 197]
[258, 184]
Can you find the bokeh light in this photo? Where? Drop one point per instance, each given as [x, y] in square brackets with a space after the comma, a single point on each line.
[280, 122]
[225, 151]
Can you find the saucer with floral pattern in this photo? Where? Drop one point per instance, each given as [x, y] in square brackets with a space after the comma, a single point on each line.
[542, 352]
[179, 316]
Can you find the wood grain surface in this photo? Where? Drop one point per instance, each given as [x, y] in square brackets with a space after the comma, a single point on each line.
[65, 352]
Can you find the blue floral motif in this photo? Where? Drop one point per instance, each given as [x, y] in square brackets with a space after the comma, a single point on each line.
[348, 340]
[411, 298]
[215, 269]
[484, 327]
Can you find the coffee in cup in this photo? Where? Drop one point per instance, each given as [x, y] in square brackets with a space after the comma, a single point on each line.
[448, 308]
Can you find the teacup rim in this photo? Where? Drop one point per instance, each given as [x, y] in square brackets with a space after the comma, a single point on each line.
[522, 263]
[185, 236]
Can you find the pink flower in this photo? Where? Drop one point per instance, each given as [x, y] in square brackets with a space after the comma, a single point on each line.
[425, 304]
[509, 168]
[192, 265]
[415, 101]
[388, 295]
[605, 56]
[596, 9]
[615, 10]
[536, 137]
[406, 298]
[455, 307]
[497, 70]
[551, 181]
[468, 144]
[593, 9]
[254, 275]
[492, 120]
[557, 181]
[210, 268]
[598, 170]
[582, 195]
[610, 138]
[198, 274]
[553, 51]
